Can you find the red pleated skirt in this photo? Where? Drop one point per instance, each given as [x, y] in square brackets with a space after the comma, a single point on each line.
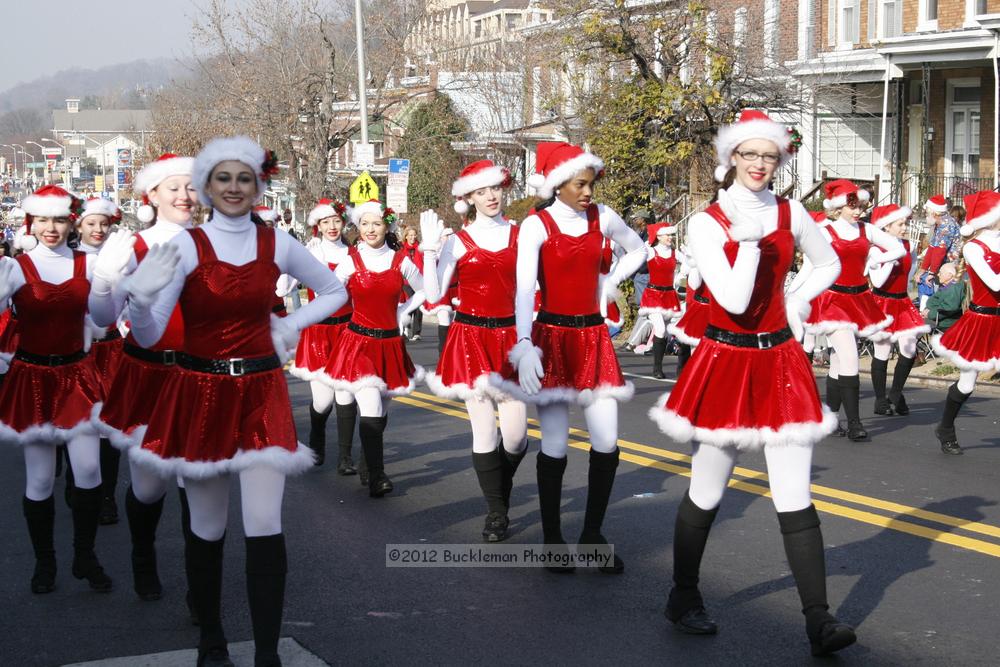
[317, 345]
[107, 358]
[363, 361]
[745, 398]
[39, 403]
[663, 302]
[691, 326]
[8, 338]
[906, 320]
[469, 356]
[134, 393]
[833, 311]
[971, 343]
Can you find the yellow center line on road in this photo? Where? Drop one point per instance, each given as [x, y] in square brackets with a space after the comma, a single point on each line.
[580, 440]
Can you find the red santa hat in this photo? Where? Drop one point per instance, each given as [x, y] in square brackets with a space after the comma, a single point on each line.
[153, 174]
[819, 217]
[752, 124]
[660, 228]
[265, 213]
[101, 206]
[481, 174]
[839, 191]
[982, 210]
[375, 207]
[882, 216]
[937, 204]
[241, 149]
[556, 162]
[327, 208]
[51, 201]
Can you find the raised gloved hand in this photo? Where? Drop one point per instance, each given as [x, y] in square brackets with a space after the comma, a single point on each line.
[114, 256]
[527, 359]
[608, 293]
[153, 274]
[432, 232]
[797, 311]
[742, 227]
[285, 337]
[6, 280]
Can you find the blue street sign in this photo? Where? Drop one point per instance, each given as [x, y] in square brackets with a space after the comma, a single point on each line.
[399, 166]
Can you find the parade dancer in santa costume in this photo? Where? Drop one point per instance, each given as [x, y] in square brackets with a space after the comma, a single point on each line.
[944, 244]
[371, 362]
[747, 385]
[659, 300]
[168, 201]
[24, 241]
[226, 410]
[411, 247]
[809, 339]
[690, 327]
[566, 355]
[52, 390]
[483, 258]
[889, 285]
[320, 342]
[848, 311]
[973, 342]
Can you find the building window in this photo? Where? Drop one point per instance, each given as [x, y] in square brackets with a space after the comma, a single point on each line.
[739, 36]
[831, 23]
[848, 147]
[892, 18]
[807, 30]
[711, 35]
[771, 9]
[981, 7]
[850, 22]
[927, 14]
[962, 128]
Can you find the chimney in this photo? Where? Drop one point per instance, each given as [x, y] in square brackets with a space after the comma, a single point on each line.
[72, 105]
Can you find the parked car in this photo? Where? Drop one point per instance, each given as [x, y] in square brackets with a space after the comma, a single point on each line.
[8, 204]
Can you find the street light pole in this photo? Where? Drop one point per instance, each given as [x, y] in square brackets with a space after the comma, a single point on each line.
[15, 157]
[45, 169]
[362, 80]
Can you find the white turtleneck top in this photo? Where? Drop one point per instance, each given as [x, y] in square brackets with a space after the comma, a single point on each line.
[378, 260]
[732, 285]
[491, 234]
[54, 265]
[326, 251]
[572, 223]
[976, 258]
[234, 241]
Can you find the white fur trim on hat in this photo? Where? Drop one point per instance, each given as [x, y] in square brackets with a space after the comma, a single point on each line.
[366, 207]
[23, 240]
[483, 178]
[564, 172]
[983, 221]
[320, 212]
[242, 149]
[49, 206]
[841, 200]
[937, 208]
[156, 172]
[667, 229]
[146, 213]
[101, 206]
[732, 135]
[901, 213]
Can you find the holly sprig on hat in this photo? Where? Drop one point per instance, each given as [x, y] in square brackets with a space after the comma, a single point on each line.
[389, 216]
[269, 168]
[794, 140]
[76, 205]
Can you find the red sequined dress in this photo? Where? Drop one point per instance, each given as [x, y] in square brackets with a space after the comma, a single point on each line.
[318, 343]
[894, 301]
[691, 326]
[660, 296]
[973, 342]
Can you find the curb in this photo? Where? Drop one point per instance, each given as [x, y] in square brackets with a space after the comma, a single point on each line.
[926, 381]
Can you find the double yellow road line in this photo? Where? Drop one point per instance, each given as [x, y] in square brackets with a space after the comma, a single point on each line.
[894, 516]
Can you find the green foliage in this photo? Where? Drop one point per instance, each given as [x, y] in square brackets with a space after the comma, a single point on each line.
[430, 128]
[518, 209]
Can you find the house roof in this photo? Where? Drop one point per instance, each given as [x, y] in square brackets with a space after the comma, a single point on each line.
[102, 120]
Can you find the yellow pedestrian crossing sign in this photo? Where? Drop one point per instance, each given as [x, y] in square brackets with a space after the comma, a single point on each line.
[363, 188]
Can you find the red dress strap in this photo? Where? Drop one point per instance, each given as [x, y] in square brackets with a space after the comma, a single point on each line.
[466, 240]
[140, 248]
[512, 239]
[551, 228]
[833, 232]
[359, 264]
[79, 264]
[266, 244]
[784, 214]
[397, 260]
[861, 229]
[204, 247]
[29, 269]
[986, 248]
[715, 211]
[593, 218]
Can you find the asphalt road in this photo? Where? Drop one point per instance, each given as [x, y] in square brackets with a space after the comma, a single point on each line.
[913, 552]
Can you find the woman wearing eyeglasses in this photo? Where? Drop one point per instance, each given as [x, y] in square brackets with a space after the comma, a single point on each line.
[848, 310]
[747, 385]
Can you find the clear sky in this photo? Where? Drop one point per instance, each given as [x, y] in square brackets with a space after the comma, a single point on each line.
[43, 37]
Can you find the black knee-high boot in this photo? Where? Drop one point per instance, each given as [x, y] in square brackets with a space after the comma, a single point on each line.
[40, 515]
[347, 418]
[685, 607]
[143, 519]
[804, 549]
[203, 562]
[371, 430]
[86, 510]
[550, 473]
[683, 354]
[945, 430]
[834, 401]
[899, 375]
[489, 471]
[110, 462]
[880, 369]
[511, 462]
[659, 348]
[850, 392]
[186, 532]
[416, 323]
[266, 566]
[317, 433]
[600, 481]
[442, 337]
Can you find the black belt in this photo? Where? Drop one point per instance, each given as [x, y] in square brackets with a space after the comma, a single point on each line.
[575, 321]
[234, 367]
[889, 295]
[372, 333]
[660, 288]
[336, 320]
[49, 359]
[852, 289]
[486, 322]
[984, 310]
[162, 357]
[701, 299]
[113, 334]
[278, 309]
[761, 341]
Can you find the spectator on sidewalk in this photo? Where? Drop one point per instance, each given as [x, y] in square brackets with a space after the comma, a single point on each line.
[944, 307]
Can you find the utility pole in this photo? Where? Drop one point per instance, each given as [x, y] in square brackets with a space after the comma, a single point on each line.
[362, 79]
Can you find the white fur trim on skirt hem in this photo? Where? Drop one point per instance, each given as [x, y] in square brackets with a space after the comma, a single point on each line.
[962, 363]
[118, 439]
[563, 394]
[872, 331]
[915, 332]
[50, 433]
[373, 381]
[307, 375]
[801, 434]
[661, 311]
[481, 388]
[679, 334]
[278, 458]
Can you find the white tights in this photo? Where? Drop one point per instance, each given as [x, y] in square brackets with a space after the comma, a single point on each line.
[907, 348]
[967, 381]
[513, 425]
[844, 355]
[261, 491]
[788, 470]
[809, 342]
[323, 396]
[602, 422]
[40, 465]
[371, 402]
[659, 326]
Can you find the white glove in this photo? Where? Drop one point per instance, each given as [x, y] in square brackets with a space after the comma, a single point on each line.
[797, 311]
[6, 280]
[431, 232]
[114, 256]
[313, 243]
[153, 274]
[608, 293]
[742, 227]
[527, 359]
[402, 316]
[285, 337]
